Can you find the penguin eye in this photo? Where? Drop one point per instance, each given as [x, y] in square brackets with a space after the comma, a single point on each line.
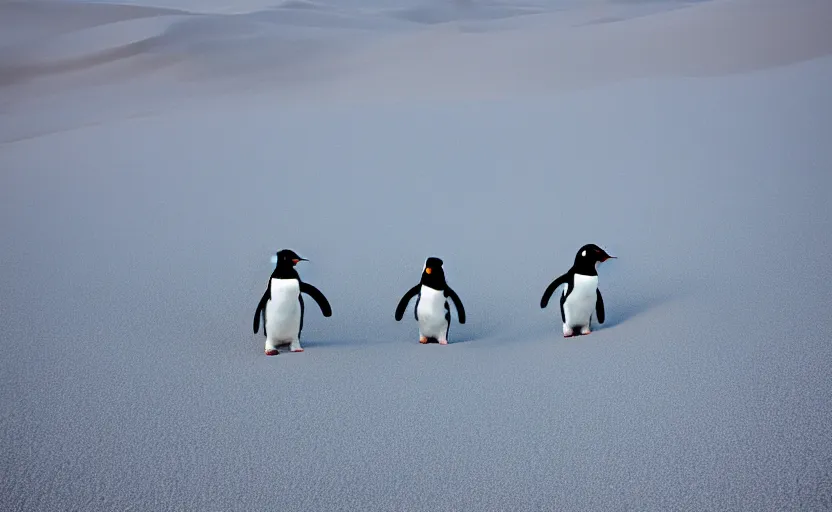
[583, 253]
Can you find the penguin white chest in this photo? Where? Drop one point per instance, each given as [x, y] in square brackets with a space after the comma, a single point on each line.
[580, 304]
[283, 310]
[431, 313]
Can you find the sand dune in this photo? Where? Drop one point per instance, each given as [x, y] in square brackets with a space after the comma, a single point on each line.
[329, 52]
[741, 36]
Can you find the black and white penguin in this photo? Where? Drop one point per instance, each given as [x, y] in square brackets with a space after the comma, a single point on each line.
[432, 310]
[581, 296]
[282, 304]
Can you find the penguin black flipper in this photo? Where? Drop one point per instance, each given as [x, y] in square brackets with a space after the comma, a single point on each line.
[460, 309]
[448, 320]
[261, 310]
[599, 306]
[316, 294]
[302, 309]
[405, 299]
[416, 308]
[544, 301]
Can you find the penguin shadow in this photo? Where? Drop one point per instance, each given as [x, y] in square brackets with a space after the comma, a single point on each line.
[337, 343]
[462, 336]
[470, 332]
[453, 340]
[617, 313]
[621, 313]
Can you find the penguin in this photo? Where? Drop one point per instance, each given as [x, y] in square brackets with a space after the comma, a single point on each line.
[282, 304]
[432, 310]
[581, 296]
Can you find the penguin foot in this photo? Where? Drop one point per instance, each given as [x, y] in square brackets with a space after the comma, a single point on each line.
[423, 340]
[271, 352]
[568, 333]
[443, 342]
[585, 330]
[294, 346]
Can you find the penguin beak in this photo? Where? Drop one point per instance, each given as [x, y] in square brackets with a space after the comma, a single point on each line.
[608, 257]
[298, 260]
[428, 270]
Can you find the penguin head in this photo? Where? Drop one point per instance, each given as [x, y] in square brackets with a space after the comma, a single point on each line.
[590, 255]
[288, 257]
[433, 274]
